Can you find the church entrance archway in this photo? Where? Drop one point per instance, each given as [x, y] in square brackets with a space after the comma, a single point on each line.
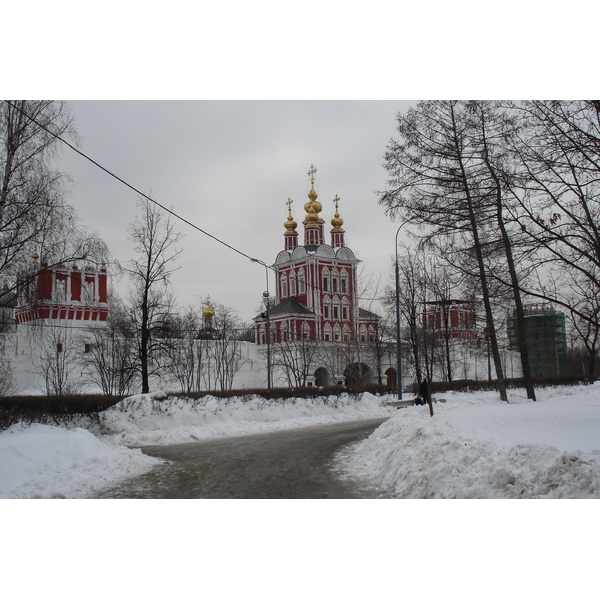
[322, 378]
[357, 374]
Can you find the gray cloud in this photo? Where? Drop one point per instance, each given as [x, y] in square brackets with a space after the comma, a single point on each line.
[229, 167]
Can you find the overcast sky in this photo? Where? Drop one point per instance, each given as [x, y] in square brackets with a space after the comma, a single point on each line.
[229, 167]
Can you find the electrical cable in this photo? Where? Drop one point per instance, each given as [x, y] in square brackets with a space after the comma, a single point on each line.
[169, 211]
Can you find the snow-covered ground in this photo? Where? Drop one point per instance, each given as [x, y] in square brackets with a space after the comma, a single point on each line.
[478, 447]
[474, 446]
[43, 461]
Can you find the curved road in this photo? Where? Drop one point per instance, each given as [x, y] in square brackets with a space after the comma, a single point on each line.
[286, 464]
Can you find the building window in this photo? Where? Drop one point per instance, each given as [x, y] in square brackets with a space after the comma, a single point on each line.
[334, 285]
[301, 284]
[283, 287]
[344, 313]
[292, 286]
[87, 348]
[336, 313]
[59, 347]
[326, 311]
[305, 331]
[344, 285]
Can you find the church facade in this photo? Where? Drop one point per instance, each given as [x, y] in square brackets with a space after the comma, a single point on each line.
[316, 284]
[316, 302]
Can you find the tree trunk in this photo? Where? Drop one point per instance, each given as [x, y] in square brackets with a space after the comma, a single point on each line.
[482, 274]
[514, 279]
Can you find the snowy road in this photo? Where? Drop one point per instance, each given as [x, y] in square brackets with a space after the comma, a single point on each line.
[287, 464]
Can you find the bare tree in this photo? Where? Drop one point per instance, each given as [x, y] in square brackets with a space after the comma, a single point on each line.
[296, 358]
[433, 181]
[58, 361]
[34, 216]
[110, 352]
[225, 350]
[155, 241]
[557, 193]
[187, 352]
[8, 382]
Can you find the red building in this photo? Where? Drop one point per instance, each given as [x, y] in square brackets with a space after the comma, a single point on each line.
[62, 292]
[451, 318]
[316, 295]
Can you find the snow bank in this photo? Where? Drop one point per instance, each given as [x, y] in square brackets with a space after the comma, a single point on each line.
[154, 419]
[56, 462]
[474, 447]
[43, 461]
[478, 447]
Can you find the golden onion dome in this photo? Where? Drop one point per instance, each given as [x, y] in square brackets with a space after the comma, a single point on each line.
[208, 311]
[337, 222]
[290, 225]
[312, 207]
[312, 218]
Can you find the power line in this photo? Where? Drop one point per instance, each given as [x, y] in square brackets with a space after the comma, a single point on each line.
[169, 211]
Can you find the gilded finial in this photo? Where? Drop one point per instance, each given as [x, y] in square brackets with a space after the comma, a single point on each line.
[312, 197]
[290, 224]
[208, 311]
[337, 222]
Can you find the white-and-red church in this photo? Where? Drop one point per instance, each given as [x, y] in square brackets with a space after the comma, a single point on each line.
[316, 284]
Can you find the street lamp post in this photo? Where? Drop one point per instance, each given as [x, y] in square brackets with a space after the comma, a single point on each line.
[267, 302]
[398, 346]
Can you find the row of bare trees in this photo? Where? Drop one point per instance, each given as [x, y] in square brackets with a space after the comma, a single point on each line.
[354, 362]
[145, 335]
[147, 339]
[506, 196]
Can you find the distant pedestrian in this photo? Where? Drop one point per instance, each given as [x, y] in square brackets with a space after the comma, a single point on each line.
[425, 391]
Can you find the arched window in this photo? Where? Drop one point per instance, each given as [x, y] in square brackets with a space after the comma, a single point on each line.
[283, 287]
[346, 333]
[326, 307]
[325, 280]
[301, 283]
[334, 281]
[305, 331]
[336, 308]
[292, 283]
[337, 334]
[363, 333]
[327, 332]
[345, 309]
[344, 282]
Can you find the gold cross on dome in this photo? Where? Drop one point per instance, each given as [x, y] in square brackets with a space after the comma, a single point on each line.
[311, 173]
[289, 204]
[336, 201]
